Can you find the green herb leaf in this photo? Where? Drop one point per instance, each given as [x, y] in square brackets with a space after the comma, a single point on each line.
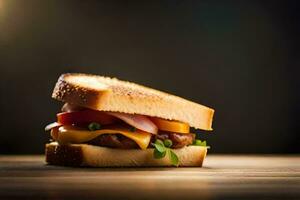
[132, 129]
[160, 151]
[160, 147]
[94, 126]
[158, 141]
[158, 155]
[197, 142]
[173, 158]
[168, 143]
[201, 143]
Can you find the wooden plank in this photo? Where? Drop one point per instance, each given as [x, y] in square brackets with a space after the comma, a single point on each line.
[223, 176]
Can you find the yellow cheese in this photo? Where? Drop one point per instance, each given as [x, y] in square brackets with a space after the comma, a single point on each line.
[69, 134]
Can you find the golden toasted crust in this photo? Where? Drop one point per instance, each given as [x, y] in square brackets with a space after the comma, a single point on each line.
[66, 155]
[95, 156]
[111, 94]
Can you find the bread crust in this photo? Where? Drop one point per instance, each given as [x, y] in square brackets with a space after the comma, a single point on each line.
[66, 155]
[95, 156]
[75, 94]
[111, 94]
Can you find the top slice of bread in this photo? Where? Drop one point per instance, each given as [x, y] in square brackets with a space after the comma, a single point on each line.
[110, 94]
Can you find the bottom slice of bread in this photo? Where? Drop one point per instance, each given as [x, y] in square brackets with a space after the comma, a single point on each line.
[95, 156]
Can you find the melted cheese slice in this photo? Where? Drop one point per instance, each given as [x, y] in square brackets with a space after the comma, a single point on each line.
[69, 134]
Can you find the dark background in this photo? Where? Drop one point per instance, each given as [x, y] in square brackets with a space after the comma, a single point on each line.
[239, 57]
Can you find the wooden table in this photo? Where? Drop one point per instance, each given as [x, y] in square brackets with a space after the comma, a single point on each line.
[222, 177]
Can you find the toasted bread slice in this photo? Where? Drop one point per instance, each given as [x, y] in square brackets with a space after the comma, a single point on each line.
[95, 156]
[111, 94]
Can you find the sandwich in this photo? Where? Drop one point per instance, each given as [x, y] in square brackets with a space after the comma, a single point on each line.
[106, 122]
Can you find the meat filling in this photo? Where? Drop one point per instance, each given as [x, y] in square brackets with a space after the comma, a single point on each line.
[178, 140]
[121, 142]
[114, 141]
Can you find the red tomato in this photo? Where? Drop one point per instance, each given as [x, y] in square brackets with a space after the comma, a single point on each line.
[84, 117]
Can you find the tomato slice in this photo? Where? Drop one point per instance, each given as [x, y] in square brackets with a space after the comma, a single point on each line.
[171, 126]
[84, 117]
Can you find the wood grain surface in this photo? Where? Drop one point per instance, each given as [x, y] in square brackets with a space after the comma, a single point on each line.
[222, 177]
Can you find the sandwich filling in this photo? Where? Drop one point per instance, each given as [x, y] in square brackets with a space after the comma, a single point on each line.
[78, 125]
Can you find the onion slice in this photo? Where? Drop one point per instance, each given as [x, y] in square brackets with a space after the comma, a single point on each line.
[52, 125]
[138, 121]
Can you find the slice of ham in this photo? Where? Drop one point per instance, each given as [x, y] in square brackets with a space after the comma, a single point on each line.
[138, 121]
